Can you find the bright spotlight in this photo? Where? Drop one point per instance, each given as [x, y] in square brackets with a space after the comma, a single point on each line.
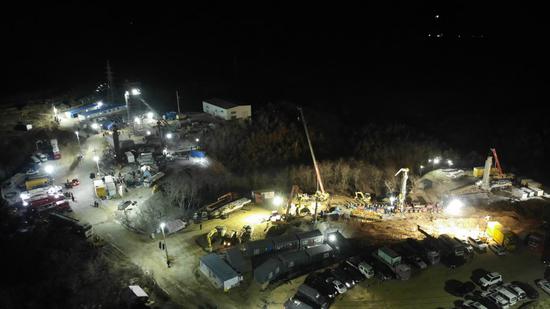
[197, 140]
[150, 115]
[450, 162]
[277, 201]
[331, 238]
[148, 132]
[48, 169]
[137, 120]
[454, 207]
[168, 135]
[95, 126]
[392, 199]
[99, 104]
[136, 91]
[96, 158]
[436, 160]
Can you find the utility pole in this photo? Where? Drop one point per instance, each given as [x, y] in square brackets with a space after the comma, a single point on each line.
[178, 101]
[110, 85]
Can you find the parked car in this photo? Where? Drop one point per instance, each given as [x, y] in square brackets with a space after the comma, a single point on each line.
[365, 268]
[35, 159]
[123, 205]
[317, 281]
[343, 277]
[530, 291]
[30, 170]
[544, 285]
[500, 301]
[466, 245]
[473, 304]
[416, 261]
[339, 286]
[353, 273]
[42, 157]
[516, 290]
[478, 244]
[498, 249]
[490, 279]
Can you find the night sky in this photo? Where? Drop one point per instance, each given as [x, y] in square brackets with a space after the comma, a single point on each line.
[411, 62]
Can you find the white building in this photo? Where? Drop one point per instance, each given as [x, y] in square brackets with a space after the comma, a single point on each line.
[226, 110]
[219, 272]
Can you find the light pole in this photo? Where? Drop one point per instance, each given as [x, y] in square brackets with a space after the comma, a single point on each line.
[162, 226]
[96, 159]
[78, 139]
[421, 168]
[126, 95]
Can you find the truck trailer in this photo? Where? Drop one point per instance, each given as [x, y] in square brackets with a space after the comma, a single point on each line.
[393, 261]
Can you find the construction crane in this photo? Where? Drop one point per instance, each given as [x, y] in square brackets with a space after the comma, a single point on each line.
[403, 193]
[317, 173]
[497, 162]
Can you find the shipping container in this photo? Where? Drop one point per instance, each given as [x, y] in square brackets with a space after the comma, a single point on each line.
[501, 236]
[37, 183]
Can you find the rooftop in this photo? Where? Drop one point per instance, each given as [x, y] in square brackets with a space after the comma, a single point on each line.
[314, 233]
[221, 103]
[318, 249]
[218, 266]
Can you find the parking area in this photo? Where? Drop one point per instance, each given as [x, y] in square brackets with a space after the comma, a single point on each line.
[432, 287]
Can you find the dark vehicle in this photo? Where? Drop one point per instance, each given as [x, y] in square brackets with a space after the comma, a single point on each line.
[343, 277]
[125, 204]
[382, 271]
[355, 274]
[529, 290]
[317, 281]
[307, 293]
[410, 255]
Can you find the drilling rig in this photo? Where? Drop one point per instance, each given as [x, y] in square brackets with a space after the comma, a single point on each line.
[403, 192]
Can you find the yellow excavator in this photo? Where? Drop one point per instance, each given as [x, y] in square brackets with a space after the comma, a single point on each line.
[218, 230]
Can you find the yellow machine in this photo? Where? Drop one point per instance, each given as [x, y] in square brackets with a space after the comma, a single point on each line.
[218, 230]
[37, 182]
[362, 198]
[501, 236]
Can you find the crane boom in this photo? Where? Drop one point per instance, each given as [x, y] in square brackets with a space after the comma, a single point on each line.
[318, 174]
[497, 162]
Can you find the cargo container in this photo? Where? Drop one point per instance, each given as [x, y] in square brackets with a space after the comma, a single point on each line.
[37, 183]
[501, 236]
[100, 189]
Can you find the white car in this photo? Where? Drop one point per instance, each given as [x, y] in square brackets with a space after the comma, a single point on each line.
[490, 279]
[544, 285]
[519, 292]
[477, 243]
[473, 304]
[498, 249]
[466, 245]
[339, 286]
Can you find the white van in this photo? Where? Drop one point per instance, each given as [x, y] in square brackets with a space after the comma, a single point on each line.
[498, 299]
[510, 297]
